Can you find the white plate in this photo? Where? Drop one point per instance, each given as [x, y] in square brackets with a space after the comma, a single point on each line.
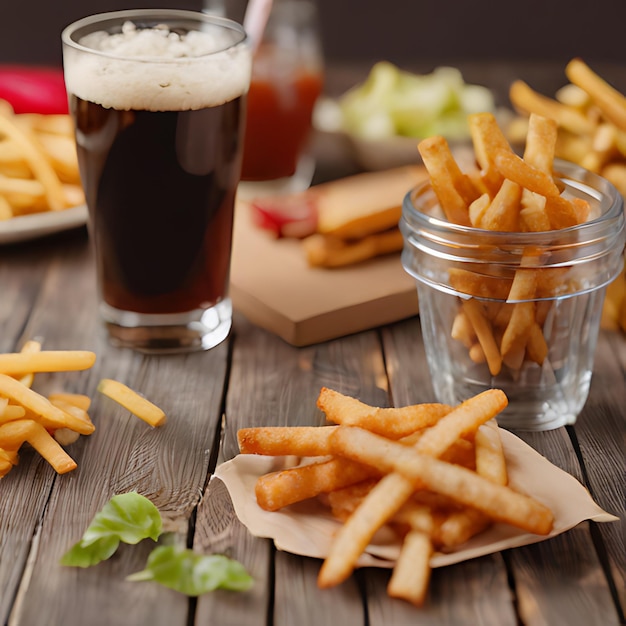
[37, 225]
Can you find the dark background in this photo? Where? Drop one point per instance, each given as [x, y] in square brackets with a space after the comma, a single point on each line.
[402, 31]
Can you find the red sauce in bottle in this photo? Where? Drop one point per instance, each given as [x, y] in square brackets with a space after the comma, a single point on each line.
[278, 121]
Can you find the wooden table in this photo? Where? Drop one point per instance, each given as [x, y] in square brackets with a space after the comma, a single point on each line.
[47, 291]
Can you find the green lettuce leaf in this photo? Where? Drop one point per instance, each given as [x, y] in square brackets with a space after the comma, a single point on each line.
[193, 574]
[127, 517]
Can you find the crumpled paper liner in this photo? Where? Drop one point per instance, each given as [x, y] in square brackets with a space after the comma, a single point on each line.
[307, 528]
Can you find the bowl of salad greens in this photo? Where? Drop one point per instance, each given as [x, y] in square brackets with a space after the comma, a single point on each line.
[386, 115]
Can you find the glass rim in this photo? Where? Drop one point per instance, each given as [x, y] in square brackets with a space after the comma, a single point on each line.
[153, 14]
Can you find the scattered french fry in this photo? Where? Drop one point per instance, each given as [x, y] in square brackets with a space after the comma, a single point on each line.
[46, 361]
[131, 400]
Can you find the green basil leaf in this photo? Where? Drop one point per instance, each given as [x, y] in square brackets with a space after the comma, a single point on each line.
[193, 574]
[127, 517]
[86, 556]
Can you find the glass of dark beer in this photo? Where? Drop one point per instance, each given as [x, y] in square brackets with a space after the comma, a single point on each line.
[158, 101]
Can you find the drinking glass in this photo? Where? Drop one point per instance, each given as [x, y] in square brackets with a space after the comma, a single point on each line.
[464, 276]
[158, 102]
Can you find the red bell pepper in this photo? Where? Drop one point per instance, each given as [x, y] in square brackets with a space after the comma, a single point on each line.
[33, 89]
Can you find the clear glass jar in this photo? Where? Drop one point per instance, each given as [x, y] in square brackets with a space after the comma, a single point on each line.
[535, 342]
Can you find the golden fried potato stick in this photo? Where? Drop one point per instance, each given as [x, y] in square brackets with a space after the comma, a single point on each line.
[279, 489]
[391, 422]
[29, 347]
[503, 212]
[14, 434]
[19, 363]
[460, 526]
[610, 101]
[39, 165]
[438, 158]
[540, 142]
[533, 215]
[51, 416]
[76, 399]
[394, 489]
[11, 412]
[411, 573]
[461, 485]
[490, 461]
[79, 418]
[482, 328]
[442, 180]
[131, 400]
[488, 140]
[513, 167]
[527, 100]
[285, 440]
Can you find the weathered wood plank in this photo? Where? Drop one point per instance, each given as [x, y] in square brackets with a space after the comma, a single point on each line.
[540, 570]
[218, 530]
[600, 434]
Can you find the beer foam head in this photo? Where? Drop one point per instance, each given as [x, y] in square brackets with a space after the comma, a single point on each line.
[157, 69]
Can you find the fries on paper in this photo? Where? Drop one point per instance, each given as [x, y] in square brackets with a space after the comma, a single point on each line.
[435, 483]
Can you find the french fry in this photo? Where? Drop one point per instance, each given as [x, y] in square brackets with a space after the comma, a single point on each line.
[30, 400]
[503, 212]
[279, 489]
[525, 99]
[46, 361]
[38, 163]
[488, 140]
[490, 461]
[463, 486]
[131, 400]
[29, 347]
[411, 573]
[14, 434]
[607, 98]
[76, 399]
[443, 179]
[11, 412]
[482, 328]
[285, 440]
[392, 422]
[514, 168]
[439, 161]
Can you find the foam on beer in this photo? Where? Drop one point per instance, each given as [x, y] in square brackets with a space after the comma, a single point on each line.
[155, 69]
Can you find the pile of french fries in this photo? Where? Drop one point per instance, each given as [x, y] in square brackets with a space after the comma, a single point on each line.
[48, 423]
[433, 474]
[506, 193]
[38, 163]
[591, 120]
